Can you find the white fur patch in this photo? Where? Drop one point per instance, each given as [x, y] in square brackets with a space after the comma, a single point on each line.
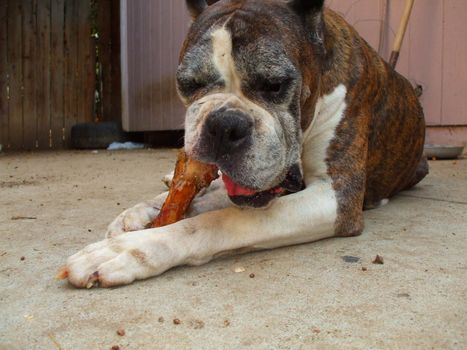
[316, 139]
[223, 60]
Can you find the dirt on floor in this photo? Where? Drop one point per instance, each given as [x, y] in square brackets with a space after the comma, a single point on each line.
[323, 295]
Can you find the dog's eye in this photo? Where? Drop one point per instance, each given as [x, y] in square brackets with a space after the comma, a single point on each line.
[273, 90]
[270, 87]
[188, 87]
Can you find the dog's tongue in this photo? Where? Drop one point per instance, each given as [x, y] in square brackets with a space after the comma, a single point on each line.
[234, 189]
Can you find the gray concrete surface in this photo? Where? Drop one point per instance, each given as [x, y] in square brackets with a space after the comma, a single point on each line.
[302, 297]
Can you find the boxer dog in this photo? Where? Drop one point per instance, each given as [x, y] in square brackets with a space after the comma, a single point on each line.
[281, 96]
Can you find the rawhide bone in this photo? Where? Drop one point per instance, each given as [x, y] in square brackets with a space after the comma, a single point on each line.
[190, 177]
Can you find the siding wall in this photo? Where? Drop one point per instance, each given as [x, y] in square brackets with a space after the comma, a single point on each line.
[434, 55]
[152, 36]
[434, 52]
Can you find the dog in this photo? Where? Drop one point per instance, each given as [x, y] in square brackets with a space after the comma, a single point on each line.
[282, 97]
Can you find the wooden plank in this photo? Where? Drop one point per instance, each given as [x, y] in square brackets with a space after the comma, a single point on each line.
[86, 59]
[71, 89]
[29, 74]
[130, 77]
[115, 98]
[4, 128]
[43, 64]
[454, 111]
[57, 70]
[15, 46]
[104, 14]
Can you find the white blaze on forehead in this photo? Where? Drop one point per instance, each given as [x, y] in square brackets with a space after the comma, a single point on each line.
[223, 59]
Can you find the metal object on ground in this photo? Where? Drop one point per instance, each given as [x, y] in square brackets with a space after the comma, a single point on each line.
[96, 135]
[443, 151]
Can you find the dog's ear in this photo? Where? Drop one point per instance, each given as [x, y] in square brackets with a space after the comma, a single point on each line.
[311, 11]
[196, 7]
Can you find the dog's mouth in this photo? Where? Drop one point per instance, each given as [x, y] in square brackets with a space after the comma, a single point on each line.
[247, 197]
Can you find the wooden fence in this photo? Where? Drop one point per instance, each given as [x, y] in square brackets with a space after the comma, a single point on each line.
[59, 65]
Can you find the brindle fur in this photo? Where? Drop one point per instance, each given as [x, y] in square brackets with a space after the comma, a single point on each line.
[379, 143]
[377, 150]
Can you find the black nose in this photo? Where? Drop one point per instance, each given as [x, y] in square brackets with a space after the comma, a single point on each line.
[227, 130]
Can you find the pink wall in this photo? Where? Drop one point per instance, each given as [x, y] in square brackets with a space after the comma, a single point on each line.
[434, 55]
[152, 34]
[434, 52]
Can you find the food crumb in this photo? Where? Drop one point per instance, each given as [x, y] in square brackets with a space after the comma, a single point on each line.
[378, 260]
[121, 332]
[316, 330]
[115, 347]
[161, 319]
[252, 275]
[364, 268]
[198, 324]
[177, 321]
[22, 258]
[226, 323]
[239, 269]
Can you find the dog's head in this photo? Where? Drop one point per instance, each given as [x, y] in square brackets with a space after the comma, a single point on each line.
[249, 76]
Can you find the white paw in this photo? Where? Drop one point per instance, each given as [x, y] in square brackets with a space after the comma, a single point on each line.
[120, 260]
[135, 218]
[167, 179]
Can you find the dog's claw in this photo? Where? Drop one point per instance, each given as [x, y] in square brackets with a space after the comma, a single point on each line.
[93, 280]
[62, 273]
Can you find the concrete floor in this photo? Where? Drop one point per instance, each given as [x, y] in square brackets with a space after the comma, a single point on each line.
[302, 297]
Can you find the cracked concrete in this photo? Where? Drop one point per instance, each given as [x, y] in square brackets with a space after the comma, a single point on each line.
[324, 295]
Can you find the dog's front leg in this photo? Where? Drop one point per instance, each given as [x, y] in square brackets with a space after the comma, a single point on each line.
[306, 216]
[141, 215]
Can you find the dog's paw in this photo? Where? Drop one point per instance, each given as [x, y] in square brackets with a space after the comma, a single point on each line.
[167, 179]
[118, 261]
[133, 219]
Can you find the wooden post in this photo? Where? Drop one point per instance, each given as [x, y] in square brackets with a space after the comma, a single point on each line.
[401, 33]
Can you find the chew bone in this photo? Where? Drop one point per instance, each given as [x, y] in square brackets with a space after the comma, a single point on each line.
[190, 177]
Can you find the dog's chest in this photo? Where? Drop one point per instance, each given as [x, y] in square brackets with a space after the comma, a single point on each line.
[329, 112]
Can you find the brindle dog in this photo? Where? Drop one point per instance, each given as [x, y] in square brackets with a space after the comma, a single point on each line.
[284, 97]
